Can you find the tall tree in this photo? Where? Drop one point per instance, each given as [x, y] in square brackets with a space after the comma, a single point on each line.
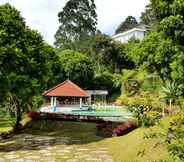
[130, 22]
[148, 17]
[78, 19]
[25, 62]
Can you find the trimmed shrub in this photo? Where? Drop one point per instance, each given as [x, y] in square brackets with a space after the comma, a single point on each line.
[33, 115]
[124, 128]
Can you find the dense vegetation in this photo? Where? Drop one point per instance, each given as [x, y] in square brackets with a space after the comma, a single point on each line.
[149, 74]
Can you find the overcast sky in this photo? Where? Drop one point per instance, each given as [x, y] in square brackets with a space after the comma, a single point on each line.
[42, 14]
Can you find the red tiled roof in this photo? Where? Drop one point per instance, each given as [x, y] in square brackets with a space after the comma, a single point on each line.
[67, 88]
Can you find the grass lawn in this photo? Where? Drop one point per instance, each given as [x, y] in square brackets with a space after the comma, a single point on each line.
[67, 141]
[133, 147]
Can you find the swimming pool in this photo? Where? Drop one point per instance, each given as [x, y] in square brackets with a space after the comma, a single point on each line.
[107, 113]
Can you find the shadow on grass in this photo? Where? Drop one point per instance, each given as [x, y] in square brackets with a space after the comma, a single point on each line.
[41, 134]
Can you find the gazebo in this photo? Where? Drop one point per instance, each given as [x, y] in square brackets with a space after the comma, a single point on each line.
[66, 90]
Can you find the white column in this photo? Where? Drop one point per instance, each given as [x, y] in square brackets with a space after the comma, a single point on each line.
[54, 102]
[51, 102]
[80, 102]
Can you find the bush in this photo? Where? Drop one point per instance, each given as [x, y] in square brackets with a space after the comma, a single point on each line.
[150, 100]
[175, 136]
[171, 133]
[151, 118]
[124, 128]
[180, 102]
[145, 116]
[131, 87]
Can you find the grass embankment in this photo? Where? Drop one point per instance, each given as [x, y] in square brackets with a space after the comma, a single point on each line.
[132, 147]
[5, 125]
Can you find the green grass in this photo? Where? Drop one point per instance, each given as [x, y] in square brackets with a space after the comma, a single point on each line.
[133, 147]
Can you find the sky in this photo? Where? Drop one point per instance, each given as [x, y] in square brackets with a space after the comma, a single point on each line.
[41, 15]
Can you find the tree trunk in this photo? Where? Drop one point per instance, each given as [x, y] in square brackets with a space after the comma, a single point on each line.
[17, 116]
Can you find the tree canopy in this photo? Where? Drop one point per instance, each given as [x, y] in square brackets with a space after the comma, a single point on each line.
[78, 19]
[147, 17]
[155, 53]
[129, 23]
[26, 61]
[77, 67]
[170, 16]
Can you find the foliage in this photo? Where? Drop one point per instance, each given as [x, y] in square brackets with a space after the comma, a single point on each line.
[178, 71]
[132, 81]
[148, 99]
[106, 81]
[146, 117]
[171, 92]
[152, 82]
[155, 53]
[171, 133]
[26, 62]
[131, 87]
[109, 53]
[130, 22]
[37, 102]
[77, 67]
[147, 17]
[151, 118]
[180, 102]
[170, 14]
[78, 20]
[174, 136]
